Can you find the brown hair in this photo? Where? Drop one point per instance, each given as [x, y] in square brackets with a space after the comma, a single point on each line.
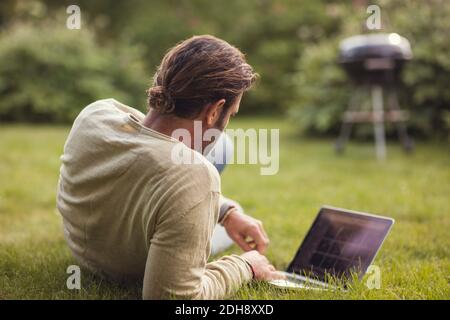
[196, 72]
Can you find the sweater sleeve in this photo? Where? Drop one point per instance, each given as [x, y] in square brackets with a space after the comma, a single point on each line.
[225, 205]
[177, 259]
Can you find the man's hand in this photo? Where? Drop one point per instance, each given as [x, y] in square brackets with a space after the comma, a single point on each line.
[262, 269]
[246, 231]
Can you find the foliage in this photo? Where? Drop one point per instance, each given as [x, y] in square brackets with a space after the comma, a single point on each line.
[271, 33]
[51, 78]
[292, 44]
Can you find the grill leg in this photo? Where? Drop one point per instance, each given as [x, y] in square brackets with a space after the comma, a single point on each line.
[378, 114]
[346, 129]
[347, 124]
[406, 141]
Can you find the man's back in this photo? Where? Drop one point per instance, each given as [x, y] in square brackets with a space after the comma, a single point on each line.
[131, 212]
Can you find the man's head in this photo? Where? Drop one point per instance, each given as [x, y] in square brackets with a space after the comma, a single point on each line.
[202, 78]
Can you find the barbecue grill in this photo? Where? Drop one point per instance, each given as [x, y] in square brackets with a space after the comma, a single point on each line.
[374, 63]
[375, 58]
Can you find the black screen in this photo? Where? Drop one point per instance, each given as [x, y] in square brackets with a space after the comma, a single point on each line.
[340, 242]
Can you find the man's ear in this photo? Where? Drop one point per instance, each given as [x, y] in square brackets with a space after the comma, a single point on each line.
[213, 112]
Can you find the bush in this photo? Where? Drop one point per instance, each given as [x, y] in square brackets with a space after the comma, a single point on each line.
[272, 34]
[51, 78]
[322, 91]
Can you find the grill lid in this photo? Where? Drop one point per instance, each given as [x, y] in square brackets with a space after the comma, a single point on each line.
[381, 45]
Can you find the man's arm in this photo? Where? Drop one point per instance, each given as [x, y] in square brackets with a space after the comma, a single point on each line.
[177, 259]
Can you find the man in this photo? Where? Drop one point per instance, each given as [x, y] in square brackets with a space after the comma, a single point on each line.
[132, 211]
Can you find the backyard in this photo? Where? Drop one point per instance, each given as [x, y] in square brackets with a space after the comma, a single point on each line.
[414, 190]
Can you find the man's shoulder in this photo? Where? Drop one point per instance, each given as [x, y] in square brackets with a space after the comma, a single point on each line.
[194, 170]
[107, 106]
[204, 169]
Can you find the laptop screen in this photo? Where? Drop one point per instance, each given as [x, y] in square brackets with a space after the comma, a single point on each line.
[339, 242]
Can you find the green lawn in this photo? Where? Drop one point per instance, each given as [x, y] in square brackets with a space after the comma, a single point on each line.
[415, 190]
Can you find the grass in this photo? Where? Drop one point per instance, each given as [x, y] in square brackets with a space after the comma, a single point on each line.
[414, 260]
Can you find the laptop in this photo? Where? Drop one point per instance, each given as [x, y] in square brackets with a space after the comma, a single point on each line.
[340, 244]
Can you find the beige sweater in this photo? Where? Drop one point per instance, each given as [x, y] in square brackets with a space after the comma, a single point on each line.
[131, 213]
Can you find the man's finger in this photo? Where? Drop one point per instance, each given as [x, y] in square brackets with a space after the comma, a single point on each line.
[277, 275]
[242, 243]
[260, 240]
[264, 232]
[266, 238]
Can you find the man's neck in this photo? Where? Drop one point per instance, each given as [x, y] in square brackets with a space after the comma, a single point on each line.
[167, 124]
